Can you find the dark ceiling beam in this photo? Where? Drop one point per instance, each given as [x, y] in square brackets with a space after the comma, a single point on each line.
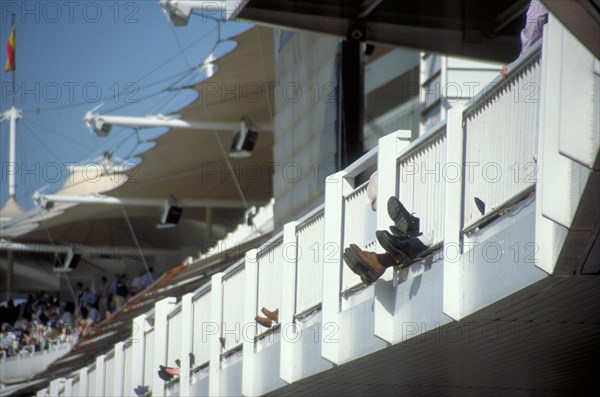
[447, 40]
[510, 15]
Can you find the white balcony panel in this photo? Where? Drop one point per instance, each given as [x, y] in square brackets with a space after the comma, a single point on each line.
[199, 385]
[233, 308]
[231, 376]
[499, 259]
[174, 339]
[359, 228]
[201, 321]
[501, 141]
[109, 370]
[92, 382]
[267, 359]
[270, 266]
[309, 271]
[149, 367]
[421, 184]
[128, 357]
[354, 332]
[77, 388]
[172, 390]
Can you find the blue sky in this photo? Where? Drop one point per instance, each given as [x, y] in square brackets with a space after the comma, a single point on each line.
[71, 57]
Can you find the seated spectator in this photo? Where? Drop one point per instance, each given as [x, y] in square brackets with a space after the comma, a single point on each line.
[88, 298]
[67, 317]
[94, 314]
[121, 293]
[8, 341]
[148, 278]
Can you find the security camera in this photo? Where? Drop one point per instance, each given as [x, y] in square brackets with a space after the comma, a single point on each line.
[178, 13]
[170, 215]
[101, 127]
[42, 201]
[243, 142]
[66, 262]
[97, 123]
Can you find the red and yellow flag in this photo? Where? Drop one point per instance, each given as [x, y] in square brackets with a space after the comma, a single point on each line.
[10, 48]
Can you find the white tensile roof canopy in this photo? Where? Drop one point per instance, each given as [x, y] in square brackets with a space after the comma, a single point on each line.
[185, 164]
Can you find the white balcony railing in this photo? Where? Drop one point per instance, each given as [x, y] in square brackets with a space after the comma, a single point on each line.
[233, 309]
[421, 185]
[301, 270]
[500, 135]
[359, 229]
[173, 338]
[309, 262]
[200, 322]
[270, 260]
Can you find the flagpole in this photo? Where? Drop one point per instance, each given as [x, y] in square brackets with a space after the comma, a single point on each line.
[14, 72]
[12, 115]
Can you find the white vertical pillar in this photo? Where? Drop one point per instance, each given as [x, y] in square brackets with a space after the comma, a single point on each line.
[69, 387]
[216, 314]
[13, 114]
[250, 303]
[390, 147]
[119, 369]
[83, 382]
[42, 393]
[288, 303]
[187, 333]
[138, 342]
[550, 235]
[453, 216]
[161, 310]
[100, 375]
[54, 389]
[335, 185]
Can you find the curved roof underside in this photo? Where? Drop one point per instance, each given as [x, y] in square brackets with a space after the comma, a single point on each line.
[185, 164]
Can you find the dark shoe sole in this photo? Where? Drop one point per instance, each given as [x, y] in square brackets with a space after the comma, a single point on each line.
[400, 257]
[403, 219]
[354, 263]
[163, 374]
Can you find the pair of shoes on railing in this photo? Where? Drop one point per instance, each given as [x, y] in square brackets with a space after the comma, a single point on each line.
[272, 316]
[402, 245]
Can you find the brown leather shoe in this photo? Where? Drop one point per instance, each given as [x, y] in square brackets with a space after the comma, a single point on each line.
[376, 263]
[272, 315]
[366, 276]
[265, 322]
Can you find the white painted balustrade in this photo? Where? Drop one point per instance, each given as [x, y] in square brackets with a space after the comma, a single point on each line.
[326, 316]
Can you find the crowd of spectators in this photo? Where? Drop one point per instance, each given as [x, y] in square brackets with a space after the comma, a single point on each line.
[36, 324]
[43, 320]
